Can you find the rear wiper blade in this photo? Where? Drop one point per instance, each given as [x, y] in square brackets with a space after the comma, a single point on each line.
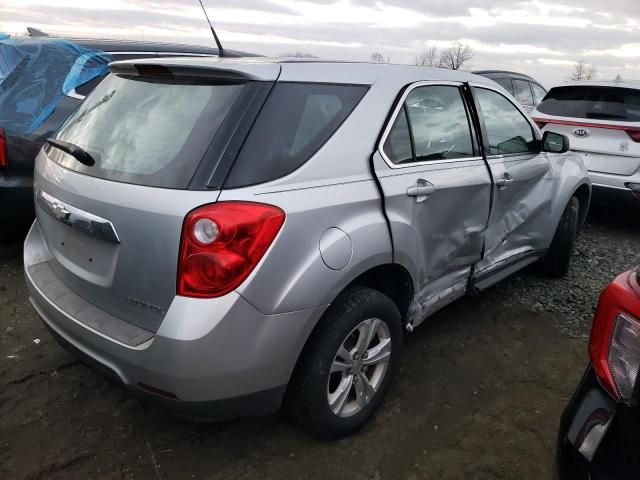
[75, 151]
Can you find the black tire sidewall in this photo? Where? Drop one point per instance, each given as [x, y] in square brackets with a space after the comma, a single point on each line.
[348, 311]
[558, 258]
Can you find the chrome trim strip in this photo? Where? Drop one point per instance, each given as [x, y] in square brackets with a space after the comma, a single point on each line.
[392, 120]
[80, 220]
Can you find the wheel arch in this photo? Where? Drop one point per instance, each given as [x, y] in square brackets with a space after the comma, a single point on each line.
[583, 194]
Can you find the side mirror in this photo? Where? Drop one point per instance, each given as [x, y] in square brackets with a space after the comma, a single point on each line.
[555, 142]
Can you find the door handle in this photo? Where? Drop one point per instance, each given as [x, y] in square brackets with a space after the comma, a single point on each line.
[505, 182]
[421, 190]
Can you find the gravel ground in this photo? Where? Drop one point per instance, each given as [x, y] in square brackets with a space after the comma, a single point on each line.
[479, 393]
[608, 245]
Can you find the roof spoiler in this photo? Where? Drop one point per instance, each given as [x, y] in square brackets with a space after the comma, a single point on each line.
[225, 71]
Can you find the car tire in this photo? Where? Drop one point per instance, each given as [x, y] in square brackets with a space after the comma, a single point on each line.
[558, 258]
[316, 398]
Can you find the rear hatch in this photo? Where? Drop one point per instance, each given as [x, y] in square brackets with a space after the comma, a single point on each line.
[158, 137]
[602, 122]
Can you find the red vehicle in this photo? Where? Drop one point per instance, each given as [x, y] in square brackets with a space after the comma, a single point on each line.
[600, 429]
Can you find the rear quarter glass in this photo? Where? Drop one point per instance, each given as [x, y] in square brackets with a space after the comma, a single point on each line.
[295, 122]
[593, 102]
[146, 131]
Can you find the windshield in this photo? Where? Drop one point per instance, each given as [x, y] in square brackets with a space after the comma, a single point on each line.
[593, 102]
[145, 131]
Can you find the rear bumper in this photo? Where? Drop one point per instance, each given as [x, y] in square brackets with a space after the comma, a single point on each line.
[609, 188]
[210, 359]
[598, 438]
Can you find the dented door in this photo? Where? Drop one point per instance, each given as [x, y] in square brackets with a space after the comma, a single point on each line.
[436, 190]
[522, 181]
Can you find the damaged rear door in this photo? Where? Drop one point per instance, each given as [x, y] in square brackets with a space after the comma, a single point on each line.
[522, 186]
[436, 190]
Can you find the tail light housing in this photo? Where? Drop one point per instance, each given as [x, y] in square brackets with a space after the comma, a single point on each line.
[614, 347]
[4, 154]
[221, 244]
[541, 123]
[634, 135]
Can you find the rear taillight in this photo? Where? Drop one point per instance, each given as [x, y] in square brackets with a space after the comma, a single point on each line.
[4, 155]
[634, 135]
[615, 337]
[541, 123]
[222, 243]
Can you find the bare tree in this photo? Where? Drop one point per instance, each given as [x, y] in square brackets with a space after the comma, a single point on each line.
[428, 58]
[377, 57]
[454, 58]
[583, 71]
[299, 55]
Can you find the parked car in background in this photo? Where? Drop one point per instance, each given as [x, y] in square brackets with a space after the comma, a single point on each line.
[524, 88]
[599, 436]
[223, 235]
[603, 121]
[42, 80]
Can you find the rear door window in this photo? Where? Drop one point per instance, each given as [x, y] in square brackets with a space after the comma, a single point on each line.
[432, 125]
[508, 131]
[439, 123]
[397, 146]
[504, 82]
[522, 92]
[538, 92]
[146, 131]
[295, 122]
[593, 102]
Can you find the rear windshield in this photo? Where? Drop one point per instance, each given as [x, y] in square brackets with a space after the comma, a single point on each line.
[598, 103]
[296, 120]
[145, 131]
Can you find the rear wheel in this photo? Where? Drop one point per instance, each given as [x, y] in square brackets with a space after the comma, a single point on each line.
[558, 258]
[348, 364]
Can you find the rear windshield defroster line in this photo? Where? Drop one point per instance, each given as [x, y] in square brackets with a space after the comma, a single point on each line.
[146, 131]
[295, 122]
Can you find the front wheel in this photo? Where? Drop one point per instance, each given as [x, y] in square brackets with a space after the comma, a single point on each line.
[558, 258]
[348, 364]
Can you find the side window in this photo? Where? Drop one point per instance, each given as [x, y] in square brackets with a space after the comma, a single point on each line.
[397, 147]
[435, 118]
[522, 92]
[508, 131]
[504, 82]
[538, 92]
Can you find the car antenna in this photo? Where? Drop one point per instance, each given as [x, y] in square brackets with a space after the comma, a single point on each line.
[221, 53]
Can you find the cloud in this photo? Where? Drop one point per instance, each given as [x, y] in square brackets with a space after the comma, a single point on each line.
[539, 37]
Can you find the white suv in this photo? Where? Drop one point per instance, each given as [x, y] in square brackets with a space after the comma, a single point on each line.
[603, 121]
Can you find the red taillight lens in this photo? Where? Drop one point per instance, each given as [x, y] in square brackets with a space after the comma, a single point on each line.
[4, 155]
[222, 243]
[541, 123]
[614, 347]
[634, 135]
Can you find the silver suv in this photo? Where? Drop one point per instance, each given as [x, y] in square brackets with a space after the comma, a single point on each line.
[223, 236]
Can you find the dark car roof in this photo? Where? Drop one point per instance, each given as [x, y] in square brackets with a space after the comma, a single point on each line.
[506, 73]
[135, 46]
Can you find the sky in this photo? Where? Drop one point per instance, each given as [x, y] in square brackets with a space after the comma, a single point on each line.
[540, 38]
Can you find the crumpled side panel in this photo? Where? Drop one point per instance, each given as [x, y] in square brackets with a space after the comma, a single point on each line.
[36, 75]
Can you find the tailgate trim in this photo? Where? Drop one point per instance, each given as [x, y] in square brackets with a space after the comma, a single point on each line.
[77, 219]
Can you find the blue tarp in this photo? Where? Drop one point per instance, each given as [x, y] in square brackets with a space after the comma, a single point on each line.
[36, 74]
